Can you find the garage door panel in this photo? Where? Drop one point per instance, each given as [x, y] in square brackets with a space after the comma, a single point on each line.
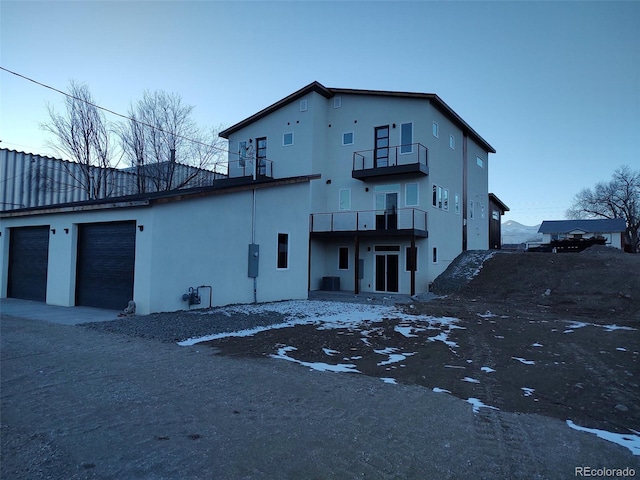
[106, 264]
[28, 262]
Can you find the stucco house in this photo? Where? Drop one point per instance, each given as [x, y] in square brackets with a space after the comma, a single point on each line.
[328, 188]
[612, 230]
[404, 186]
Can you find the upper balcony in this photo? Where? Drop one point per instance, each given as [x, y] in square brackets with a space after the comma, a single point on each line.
[385, 223]
[240, 172]
[408, 159]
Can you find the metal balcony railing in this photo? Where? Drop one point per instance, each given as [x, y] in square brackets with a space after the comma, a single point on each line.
[245, 168]
[369, 221]
[395, 156]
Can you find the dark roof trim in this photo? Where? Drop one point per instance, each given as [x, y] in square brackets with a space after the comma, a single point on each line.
[330, 92]
[148, 199]
[596, 225]
[312, 87]
[493, 198]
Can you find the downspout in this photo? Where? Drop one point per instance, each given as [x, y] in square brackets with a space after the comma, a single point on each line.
[253, 241]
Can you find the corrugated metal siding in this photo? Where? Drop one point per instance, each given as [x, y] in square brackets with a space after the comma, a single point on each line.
[30, 180]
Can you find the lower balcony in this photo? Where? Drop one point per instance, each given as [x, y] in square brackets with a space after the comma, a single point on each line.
[389, 223]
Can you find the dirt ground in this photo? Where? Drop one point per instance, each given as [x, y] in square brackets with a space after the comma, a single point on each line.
[552, 334]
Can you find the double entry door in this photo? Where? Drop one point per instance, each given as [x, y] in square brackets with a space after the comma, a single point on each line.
[387, 263]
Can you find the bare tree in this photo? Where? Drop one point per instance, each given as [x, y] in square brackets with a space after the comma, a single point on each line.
[83, 135]
[618, 198]
[164, 144]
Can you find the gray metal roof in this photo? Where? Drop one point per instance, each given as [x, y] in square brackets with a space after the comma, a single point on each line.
[602, 225]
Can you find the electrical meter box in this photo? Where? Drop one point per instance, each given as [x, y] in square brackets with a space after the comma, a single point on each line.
[254, 257]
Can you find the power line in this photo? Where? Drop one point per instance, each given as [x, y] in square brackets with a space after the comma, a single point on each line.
[116, 113]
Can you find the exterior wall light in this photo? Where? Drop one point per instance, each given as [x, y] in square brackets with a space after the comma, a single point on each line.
[141, 227]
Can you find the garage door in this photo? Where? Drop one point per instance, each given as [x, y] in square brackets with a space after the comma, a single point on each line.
[105, 267]
[28, 258]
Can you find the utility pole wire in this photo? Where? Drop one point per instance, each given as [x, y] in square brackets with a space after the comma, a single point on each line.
[112, 112]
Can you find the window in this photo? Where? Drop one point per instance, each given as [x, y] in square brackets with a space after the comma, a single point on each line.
[480, 162]
[495, 215]
[406, 138]
[456, 203]
[283, 250]
[411, 195]
[434, 255]
[343, 258]
[481, 210]
[347, 138]
[337, 102]
[345, 199]
[411, 259]
[435, 129]
[471, 207]
[452, 142]
[303, 105]
[445, 199]
[287, 139]
[242, 154]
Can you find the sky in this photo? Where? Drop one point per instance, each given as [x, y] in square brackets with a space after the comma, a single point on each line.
[554, 87]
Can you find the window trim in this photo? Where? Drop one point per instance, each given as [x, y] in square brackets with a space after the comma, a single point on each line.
[435, 257]
[352, 138]
[304, 105]
[445, 199]
[284, 136]
[403, 144]
[435, 129]
[337, 102]
[286, 267]
[340, 249]
[479, 162]
[456, 204]
[452, 142]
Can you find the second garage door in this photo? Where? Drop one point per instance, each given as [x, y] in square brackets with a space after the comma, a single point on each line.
[106, 263]
[28, 258]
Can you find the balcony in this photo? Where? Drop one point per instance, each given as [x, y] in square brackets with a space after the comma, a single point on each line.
[394, 223]
[410, 159]
[240, 172]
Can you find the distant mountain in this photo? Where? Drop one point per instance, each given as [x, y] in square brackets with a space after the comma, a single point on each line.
[514, 232]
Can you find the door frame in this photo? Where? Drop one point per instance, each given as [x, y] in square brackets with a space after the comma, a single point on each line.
[389, 251]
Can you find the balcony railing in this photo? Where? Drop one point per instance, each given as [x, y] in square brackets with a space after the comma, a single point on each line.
[399, 159]
[245, 168]
[375, 221]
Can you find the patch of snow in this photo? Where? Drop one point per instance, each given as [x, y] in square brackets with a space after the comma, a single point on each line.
[499, 336]
[477, 405]
[440, 390]
[632, 442]
[330, 352]
[442, 337]
[487, 314]
[611, 328]
[405, 330]
[608, 328]
[525, 361]
[470, 380]
[487, 369]
[537, 344]
[392, 381]
[527, 392]
[621, 349]
[240, 333]
[393, 357]
[322, 367]
[454, 366]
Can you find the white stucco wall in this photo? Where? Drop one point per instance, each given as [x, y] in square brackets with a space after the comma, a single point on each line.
[189, 243]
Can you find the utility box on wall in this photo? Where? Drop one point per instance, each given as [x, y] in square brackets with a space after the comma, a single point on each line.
[254, 257]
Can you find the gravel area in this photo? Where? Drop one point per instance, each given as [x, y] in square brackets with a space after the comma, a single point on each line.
[176, 326]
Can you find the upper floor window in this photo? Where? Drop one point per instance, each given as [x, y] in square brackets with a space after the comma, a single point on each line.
[411, 194]
[287, 139]
[242, 154]
[456, 203]
[337, 102]
[406, 138]
[480, 162]
[471, 209]
[445, 199]
[345, 199]
[347, 138]
[452, 142]
[304, 105]
[435, 129]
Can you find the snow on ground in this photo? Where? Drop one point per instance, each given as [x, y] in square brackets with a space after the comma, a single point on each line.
[573, 325]
[477, 404]
[537, 344]
[328, 315]
[393, 357]
[470, 380]
[440, 390]
[487, 369]
[632, 442]
[527, 392]
[320, 366]
[524, 360]
[392, 381]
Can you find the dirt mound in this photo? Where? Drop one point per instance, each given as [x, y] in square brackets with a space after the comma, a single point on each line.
[600, 283]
